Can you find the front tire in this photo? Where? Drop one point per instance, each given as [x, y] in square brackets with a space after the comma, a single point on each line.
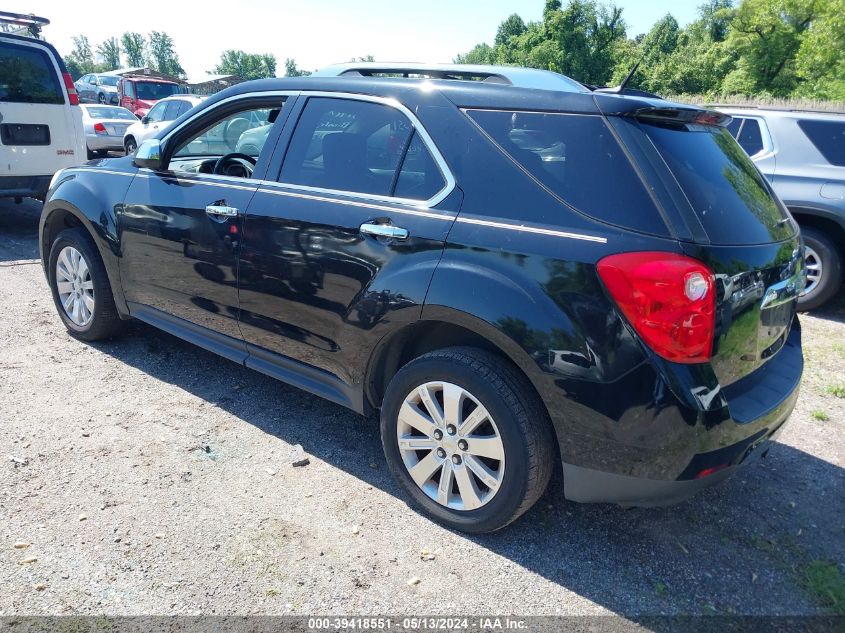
[80, 287]
[467, 438]
[130, 145]
[824, 269]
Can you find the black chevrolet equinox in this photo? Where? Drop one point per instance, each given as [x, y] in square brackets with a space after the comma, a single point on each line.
[519, 272]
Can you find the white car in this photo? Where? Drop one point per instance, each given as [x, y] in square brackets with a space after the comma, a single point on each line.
[40, 118]
[159, 117]
[105, 126]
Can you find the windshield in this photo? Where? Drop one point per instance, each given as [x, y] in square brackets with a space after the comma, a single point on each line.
[153, 91]
[728, 194]
[109, 113]
[107, 80]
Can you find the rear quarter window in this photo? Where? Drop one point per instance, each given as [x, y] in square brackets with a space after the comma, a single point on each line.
[27, 75]
[828, 137]
[577, 158]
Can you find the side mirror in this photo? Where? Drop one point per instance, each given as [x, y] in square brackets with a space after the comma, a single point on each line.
[148, 154]
[145, 119]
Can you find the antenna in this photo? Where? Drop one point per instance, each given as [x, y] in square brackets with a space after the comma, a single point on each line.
[22, 24]
[621, 87]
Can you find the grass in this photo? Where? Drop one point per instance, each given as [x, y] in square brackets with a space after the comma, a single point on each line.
[836, 390]
[821, 416]
[825, 582]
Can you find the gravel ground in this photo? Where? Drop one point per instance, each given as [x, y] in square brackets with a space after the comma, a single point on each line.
[152, 477]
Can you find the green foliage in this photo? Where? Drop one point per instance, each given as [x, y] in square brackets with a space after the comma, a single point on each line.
[81, 58]
[133, 47]
[773, 48]
[110, 53]
[161, 55]
[246, 65]
[292, 71]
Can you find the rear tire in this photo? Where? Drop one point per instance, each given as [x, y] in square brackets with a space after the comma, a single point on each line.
[80, 287]
[516, 428]
[825, 269]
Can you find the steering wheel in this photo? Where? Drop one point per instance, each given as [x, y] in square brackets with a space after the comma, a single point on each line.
[234, 162]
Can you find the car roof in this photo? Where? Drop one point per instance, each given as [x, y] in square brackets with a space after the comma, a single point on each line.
[785, 113]
[464, 94]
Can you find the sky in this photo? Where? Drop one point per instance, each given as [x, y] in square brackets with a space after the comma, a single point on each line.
[313, 32]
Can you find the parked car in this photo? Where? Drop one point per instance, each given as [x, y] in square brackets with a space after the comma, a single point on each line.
[97, 88]
[140, 93]
[803, 156]
[159, 117]
[40, 120]
[518, 279]
[105, 127]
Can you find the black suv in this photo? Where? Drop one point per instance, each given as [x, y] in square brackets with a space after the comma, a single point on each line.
[518, 272]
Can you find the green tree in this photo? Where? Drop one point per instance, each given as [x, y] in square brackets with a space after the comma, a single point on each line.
[513, 26]
[820, 61]
[161, 54]
[109, 50]
[766, 35]
[81, 58]
[246, 65]
[133, 46]
[292, 71]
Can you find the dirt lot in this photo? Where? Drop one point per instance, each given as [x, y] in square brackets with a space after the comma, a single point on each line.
[151, 477]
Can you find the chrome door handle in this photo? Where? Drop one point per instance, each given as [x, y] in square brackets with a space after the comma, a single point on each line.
[385, 230]
[221, 211]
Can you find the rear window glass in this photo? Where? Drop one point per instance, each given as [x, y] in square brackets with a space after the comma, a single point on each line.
[828, 137]
[579, 160]
[27, 75]
[730, 197]
[153, 91]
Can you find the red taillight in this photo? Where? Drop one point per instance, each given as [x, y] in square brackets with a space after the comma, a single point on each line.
[71, 89]
[669, 300]
[99, 128]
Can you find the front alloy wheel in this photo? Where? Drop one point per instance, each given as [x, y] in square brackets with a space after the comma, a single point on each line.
[450, 445]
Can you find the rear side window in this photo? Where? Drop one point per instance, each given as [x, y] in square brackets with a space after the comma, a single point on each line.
[828, 137]
[359, 147]
[578, 159]
[27, 75]
[750, 138]
[727, 193]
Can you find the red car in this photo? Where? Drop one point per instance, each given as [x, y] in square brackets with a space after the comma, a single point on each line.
[139, 94]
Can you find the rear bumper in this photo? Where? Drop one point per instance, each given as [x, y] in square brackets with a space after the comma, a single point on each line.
[24, 186]
[114, 143]
[756, 409]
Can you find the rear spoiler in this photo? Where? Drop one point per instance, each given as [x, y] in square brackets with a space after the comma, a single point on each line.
[696, 116]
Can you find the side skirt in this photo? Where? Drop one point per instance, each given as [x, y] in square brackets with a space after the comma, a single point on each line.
[288, 370]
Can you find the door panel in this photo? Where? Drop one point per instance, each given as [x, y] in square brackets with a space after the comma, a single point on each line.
[313, 286]
[178, 258]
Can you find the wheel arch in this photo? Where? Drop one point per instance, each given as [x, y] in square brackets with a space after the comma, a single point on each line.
[60, 213]
[823, 220]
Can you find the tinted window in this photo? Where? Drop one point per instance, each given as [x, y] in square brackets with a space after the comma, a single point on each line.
[828, 137]
[419, 178]
[750, 138]
[578, 159]
[128, 89]
[153, 91]
[347, 145]
[108, 80]
[244, 131]
[104, 112]
[27, 75]
[174, 109]
[727, 193]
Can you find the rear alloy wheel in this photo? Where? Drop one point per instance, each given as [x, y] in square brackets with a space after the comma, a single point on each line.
[824, 269]
[80, 287]
[467, 438]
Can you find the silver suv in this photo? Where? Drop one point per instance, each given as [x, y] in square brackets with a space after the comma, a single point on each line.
[803, 156]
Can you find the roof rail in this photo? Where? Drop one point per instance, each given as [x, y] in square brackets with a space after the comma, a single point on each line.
[22, 24]
[508, 75]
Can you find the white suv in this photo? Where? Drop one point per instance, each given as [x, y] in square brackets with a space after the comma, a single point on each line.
[40, 120]
[159, 117]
